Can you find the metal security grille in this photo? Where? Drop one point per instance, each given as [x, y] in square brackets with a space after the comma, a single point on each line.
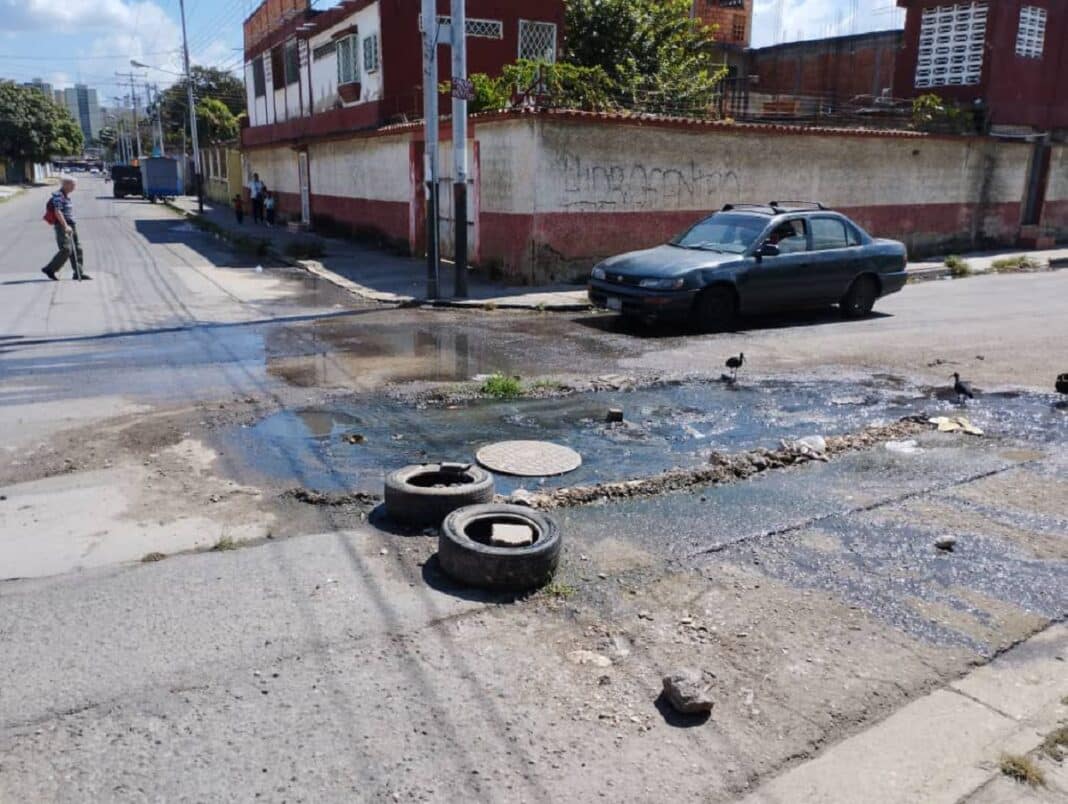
[1031, 35]
[476, 28]
[323, 51]
[370, 53]
[951, 45]
[537, 41]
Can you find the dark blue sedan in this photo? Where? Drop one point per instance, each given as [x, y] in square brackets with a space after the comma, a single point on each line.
[750, 258]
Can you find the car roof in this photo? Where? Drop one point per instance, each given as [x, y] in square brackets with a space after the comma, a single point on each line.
[773, 208]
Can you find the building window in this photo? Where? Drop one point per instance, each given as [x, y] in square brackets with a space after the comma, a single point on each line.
[348, 66]
[738, 29]
[951, 45]
[370, 53]
[278, 68]
[292, 56]
[476, 28]
[323, 51]
[1031, 35]
[259, 80]
[537, 41]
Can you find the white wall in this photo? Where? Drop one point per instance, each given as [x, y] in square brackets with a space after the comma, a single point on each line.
[375, 168]
[324, 71]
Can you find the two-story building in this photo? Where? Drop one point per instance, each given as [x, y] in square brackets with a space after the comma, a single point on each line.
[317, 80]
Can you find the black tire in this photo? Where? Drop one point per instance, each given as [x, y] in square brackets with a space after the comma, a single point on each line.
[120, 195]
[860, 297]
[476, 563]
[715, 310]
[424, 494]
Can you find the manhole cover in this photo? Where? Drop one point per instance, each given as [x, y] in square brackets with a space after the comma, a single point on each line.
[529, 458]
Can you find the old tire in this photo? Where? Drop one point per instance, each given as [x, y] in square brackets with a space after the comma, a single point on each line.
[715, 310]
[424, 494]
[466, 556]
[860, 297]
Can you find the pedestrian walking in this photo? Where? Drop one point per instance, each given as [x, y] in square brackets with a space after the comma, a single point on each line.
[257, 191]
[60, 213]
[268, 208]
[239, 209]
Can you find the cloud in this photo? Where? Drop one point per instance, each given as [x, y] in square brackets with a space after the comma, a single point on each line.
[813, 19]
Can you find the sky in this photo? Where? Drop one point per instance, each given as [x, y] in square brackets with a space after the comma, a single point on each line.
[88, 41]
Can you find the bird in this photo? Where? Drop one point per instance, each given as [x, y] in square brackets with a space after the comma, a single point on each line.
[735, 363]
[962, 389]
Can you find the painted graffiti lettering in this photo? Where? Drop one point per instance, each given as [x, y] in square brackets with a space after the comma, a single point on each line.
[593, 185]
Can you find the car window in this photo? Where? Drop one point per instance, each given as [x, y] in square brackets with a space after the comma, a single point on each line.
[853, 235]
[828, 233]
[724, 231]
[790, 236]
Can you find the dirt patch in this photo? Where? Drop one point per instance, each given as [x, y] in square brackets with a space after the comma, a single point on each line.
[333, 500]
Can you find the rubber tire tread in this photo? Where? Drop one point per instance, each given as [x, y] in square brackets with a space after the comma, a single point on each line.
[516, 569]
[415, 505]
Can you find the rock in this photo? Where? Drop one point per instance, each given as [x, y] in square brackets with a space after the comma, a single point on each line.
[615, 416]
[816, 443]
[946, 543]
[589, 657]
[687, 692]
[521, 497]
[511, 535]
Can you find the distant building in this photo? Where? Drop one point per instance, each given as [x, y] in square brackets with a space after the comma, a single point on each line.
[733, 19]
[41, 86]
[82, 103]
[1007, 56]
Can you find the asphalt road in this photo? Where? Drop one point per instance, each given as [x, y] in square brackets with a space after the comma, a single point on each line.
[339, 666]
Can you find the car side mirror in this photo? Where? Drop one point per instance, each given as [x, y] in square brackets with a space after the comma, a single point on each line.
[768, 250]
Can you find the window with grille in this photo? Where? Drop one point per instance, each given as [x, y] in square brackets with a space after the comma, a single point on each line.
[348, 66]
[259, 78]
[323, 51]
[1031, 35]
[537, 41]
[476, 28]
[278, 68]
[292, 57]
[738, 29]
[370, 53]
[951, 45]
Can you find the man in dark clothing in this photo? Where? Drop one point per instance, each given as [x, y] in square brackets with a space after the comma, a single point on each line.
[66, 231]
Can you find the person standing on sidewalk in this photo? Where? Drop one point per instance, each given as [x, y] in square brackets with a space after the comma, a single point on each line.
[66, 231]
[268, 208]
[256, 191]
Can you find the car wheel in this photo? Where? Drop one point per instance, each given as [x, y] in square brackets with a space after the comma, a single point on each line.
[715, 310]
[466, 554]
[425, 494]
[860, 297]
[120, 195]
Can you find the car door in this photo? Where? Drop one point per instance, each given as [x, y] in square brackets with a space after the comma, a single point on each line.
[834, 258]
[780, 281]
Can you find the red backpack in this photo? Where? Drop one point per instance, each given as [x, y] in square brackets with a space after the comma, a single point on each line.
[50, 214]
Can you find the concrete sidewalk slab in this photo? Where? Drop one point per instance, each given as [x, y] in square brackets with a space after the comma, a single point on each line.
[943, 747]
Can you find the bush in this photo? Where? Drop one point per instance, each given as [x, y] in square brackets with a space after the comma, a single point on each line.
[500, 386]
[958, 266]
[308, 248]
[1011, 265]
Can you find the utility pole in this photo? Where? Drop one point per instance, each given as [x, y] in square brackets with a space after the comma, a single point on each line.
[459, 144]
[192, 113]
[131, 80]
[430, 156]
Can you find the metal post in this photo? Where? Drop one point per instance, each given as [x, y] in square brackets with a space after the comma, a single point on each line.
[459, 145]
[430, 157]
[192, 113]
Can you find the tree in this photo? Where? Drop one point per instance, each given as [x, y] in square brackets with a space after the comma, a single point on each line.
[106, 136]
[33, 127]
[208, 82]
[658, 57]
[215, 122]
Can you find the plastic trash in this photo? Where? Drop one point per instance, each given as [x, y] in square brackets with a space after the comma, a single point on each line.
[907, 447]
[953, 424]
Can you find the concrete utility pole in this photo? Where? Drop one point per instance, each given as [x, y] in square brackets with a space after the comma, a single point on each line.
[132, 81]
[192, 113]
[430, 157]
[459, 144]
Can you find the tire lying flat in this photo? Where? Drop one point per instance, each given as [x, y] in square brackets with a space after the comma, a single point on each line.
[477, 563]
[424, 494]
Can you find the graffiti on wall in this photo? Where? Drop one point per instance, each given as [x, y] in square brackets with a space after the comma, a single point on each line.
[590, 185]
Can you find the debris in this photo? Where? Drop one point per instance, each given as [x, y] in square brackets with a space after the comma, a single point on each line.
[505, 534]
[259, 269]
[693, 432]
[907, 447]
[687, 692]
[355, 438]
[644, 615]
[589, 657]
[952, 424]
[520, 497]
[946, 543]
[333, 500]
[816, 443]
[383, 552]
[615, 416]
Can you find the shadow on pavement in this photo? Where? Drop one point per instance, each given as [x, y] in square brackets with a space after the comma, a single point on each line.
[676, 329]
[677, 719]
[27, 282]
[434, 577]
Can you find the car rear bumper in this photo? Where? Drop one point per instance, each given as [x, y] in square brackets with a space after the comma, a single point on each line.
[640, 302]
[892, 283]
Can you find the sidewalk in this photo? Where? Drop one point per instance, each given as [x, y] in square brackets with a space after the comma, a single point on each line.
[981, 262]
[380, 276]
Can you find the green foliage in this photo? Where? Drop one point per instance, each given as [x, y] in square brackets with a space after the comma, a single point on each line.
[566, 85]
[931, 113]
[215, 122]
[958, 266]
[208, 82]
[1011, 265]
[33, 127]
[107, 136]
[500, 386]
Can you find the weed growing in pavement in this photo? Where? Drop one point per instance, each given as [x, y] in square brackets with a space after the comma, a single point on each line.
[491, 306]
[225, 543]
[1055, 746]
[308, 248]
[561, 591]
[540, 307]
[500, 386]
[148, 558]
[1011, 265]
[547, 385]
[1022, 769]
[958, 266]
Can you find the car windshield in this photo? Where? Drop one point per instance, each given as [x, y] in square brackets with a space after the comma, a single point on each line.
[728, 232]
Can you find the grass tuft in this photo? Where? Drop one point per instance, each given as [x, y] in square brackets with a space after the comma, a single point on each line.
[1022, 769]
[561, 591]
[224, 544]
[148, 558]
[1011, 265]
[1055, 746]
[500, 386]
[958, 266]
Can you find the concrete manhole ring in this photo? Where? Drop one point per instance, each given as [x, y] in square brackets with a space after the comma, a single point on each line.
[529, 458]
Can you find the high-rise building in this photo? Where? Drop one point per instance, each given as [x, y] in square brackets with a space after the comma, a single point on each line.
[41, 85]
[83, 105]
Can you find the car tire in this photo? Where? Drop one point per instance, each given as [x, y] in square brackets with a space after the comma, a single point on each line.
[860, 297]
[466, 558]
[120, 195]
[424, 494]
[715, 310]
